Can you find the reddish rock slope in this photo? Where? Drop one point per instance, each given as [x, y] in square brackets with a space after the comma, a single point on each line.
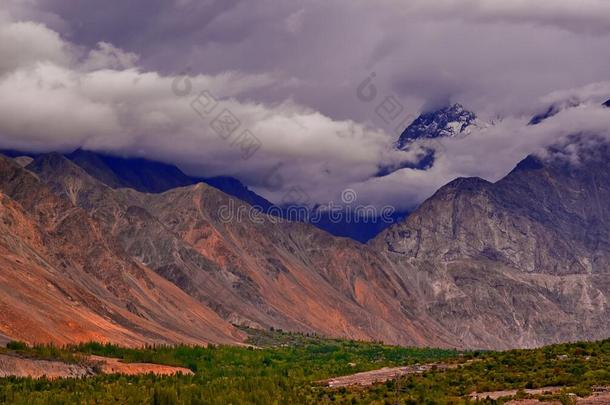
[64, 280]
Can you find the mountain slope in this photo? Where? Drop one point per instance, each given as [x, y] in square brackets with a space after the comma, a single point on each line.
[522, 262]
[261, 272]
[64, 281]
[544, 218]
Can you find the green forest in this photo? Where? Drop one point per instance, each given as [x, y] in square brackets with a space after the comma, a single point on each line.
[285, 368]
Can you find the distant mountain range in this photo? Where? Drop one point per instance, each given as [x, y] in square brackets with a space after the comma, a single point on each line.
[99, 247]
[556, 108]
[518, 263]
[155, 177]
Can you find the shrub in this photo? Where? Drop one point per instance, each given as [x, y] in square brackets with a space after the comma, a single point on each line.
[16, 345]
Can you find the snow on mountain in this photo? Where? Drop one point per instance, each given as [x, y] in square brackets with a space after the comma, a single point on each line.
[448, 121]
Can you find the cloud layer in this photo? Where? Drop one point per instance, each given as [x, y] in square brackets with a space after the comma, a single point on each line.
[124, 79]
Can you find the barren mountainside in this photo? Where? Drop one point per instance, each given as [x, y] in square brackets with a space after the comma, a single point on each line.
[522, 262]
[262, 273]
[64, 280]
[519, 263]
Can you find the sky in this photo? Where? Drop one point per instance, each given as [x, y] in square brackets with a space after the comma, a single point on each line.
[271, 91]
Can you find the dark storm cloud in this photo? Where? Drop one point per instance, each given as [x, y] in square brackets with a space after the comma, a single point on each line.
[473, 50]
[138, 24]
[290, 71]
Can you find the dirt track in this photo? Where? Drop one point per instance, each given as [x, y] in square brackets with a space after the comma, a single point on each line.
[4, 340]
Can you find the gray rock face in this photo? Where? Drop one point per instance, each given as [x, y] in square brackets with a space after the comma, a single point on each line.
[551, 217]
[522, 262]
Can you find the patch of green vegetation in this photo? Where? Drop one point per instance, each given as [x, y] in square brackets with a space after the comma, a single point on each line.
[223, 374]
[44, 352]
[283, 369]
[278, 338]
[578, 367]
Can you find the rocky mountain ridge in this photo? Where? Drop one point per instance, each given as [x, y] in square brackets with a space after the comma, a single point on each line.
[64, 280]
[521, 262]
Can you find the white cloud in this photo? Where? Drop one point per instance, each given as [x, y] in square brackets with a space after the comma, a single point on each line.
[108, 56]
[23, 44]
[104, 103]
[293, 84]
[489, 153]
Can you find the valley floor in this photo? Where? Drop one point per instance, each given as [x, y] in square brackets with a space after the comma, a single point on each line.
[288, 368]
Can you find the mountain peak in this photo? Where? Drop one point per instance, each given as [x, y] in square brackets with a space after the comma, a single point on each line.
[448, 121]
[138, 173]
[468, 183]
[461, 185]
[530, 163]
[553, 110]
[51, 161]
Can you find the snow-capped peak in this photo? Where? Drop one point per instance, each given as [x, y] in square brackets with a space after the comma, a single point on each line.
[449, 121]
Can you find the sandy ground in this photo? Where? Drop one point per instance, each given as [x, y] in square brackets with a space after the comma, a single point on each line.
[11, 365]
[510, 393]
[602, 399]
[115, 366]
[599, 399]
[601, 396]
[22, 367]
[367, 378]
